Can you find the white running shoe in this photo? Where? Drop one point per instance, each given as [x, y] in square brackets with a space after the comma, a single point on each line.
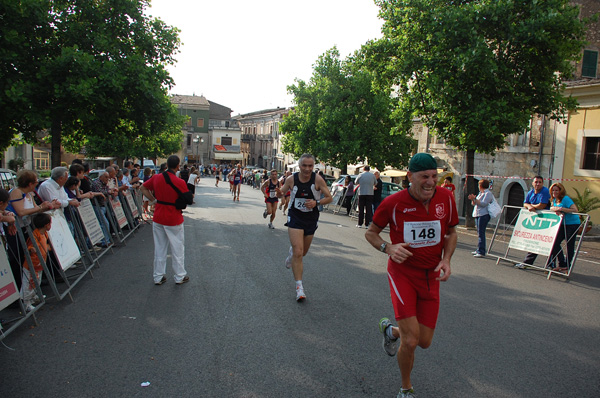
[390, 346]
[265, 214]
[271, 226]
[288, 260]
[300, 294]
[410, 393]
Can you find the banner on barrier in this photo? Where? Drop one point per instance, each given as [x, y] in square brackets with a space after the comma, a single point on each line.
[62, 240]
[119, 213]
[8, 288]
[90, 221]
[535, 232]
[131, 203]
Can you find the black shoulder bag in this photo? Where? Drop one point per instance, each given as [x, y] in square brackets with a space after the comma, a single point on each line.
[183, 199]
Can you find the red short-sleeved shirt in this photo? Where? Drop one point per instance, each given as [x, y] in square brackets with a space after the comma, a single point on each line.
[166, 214]
[411, 223]
[449, 187]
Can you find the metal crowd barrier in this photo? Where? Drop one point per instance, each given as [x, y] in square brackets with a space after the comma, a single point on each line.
[504, 232]
[79, 237]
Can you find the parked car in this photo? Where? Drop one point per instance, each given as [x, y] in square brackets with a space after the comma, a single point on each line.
[8, 179]
[329, 180]
[389, 189]
[339, 183]
[93, 174]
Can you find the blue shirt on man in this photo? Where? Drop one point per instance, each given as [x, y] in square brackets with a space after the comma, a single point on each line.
[541, 197]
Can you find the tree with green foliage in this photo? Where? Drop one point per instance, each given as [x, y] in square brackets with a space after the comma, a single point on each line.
[24, 30]
[98, 77]
[342, 118]
[476, 71]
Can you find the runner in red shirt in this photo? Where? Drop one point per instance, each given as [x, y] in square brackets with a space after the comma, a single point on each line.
[422, 222]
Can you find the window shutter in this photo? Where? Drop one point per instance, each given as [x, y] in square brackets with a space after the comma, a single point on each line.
[589, 64]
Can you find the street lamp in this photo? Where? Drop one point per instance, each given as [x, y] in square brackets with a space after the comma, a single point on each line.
[197, 140]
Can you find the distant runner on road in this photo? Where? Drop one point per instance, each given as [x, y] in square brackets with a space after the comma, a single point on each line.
[270, 189]
[237, 175]
[306, 188]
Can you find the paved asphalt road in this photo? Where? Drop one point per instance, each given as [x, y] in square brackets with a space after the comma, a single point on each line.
[236, 330]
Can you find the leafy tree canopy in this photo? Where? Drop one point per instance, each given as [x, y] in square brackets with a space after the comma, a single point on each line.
[97, 71]
[476, 70]
[342, 118]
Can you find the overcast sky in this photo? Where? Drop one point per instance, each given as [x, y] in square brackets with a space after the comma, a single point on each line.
[243, 54]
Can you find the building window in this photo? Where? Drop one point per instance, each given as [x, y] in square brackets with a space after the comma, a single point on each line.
[41, 159]
[591, 154]
[189, 122]
[189, 140]
[226, 141]
[589, 64]
[200, 123]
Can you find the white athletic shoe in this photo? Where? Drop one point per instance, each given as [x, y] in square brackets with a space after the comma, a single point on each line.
[300, 294]
[389, 346]
[410, 393]
[271, 226]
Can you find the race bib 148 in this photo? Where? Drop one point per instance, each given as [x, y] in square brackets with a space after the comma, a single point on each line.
[423, 233]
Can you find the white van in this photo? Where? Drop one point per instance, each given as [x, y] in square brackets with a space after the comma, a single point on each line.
[149, 163]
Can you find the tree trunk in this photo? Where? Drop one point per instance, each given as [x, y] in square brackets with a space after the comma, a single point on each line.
[56, 131]
[469, 189]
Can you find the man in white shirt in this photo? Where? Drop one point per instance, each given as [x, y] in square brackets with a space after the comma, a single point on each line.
[53, 188]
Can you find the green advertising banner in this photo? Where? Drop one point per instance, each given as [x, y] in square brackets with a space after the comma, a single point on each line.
[535, 231]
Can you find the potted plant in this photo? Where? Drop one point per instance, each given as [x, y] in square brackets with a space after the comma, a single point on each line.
[586, 203]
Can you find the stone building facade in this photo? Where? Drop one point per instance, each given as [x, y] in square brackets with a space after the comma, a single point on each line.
[261, 139]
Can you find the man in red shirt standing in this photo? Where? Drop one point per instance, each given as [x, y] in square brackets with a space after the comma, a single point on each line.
[448, 185]
[167, 226]
[422, 222]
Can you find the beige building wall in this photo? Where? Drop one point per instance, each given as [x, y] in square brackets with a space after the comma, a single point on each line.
[585, 122]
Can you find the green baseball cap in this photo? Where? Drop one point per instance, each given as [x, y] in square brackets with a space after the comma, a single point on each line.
[422, 161]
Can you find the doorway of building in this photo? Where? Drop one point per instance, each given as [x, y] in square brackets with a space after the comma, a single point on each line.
[516, 196]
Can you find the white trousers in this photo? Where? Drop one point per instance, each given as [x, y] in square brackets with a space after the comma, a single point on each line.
[165, 235]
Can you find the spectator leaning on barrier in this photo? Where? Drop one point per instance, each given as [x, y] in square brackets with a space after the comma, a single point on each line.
[52, 188]
[537, 199]
[101, 186]
[167, 226]
[22, 203]
[564, 206]
[125, 178]
[85, 186]
[42, 223]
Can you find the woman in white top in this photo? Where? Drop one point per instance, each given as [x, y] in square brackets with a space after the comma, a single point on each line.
[22, 204]
[481, 214]
[192, 181]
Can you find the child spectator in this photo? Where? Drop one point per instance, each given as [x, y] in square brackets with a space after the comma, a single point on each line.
[6, 216]
[42, 222]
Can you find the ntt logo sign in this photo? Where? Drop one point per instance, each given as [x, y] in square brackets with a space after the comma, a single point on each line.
[540, 221]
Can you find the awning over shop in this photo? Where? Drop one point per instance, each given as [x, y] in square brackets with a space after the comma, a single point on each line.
[228, 156]
[394, 173]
